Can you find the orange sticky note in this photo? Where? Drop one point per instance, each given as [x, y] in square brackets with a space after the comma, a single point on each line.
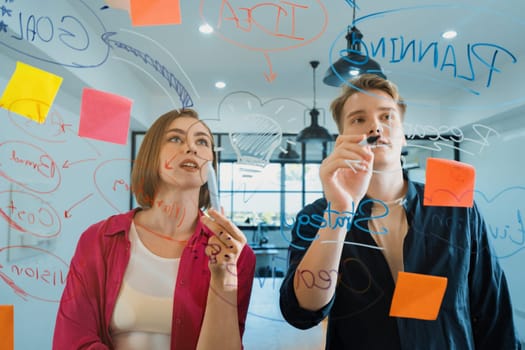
[155, 12]
[30, 92]
[449, 183]
[104, 116]
[118, 4]
[417, 296]
[7, 327]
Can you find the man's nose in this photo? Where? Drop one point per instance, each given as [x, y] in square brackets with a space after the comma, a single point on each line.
[376, 128]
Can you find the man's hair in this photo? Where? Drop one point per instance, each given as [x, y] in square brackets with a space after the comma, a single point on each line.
[145, 172]
[365, 82]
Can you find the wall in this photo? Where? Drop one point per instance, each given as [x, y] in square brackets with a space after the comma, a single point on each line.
[53, 185]
[500, 192]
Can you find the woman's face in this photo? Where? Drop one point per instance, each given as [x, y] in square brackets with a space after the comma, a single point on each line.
[185, 150]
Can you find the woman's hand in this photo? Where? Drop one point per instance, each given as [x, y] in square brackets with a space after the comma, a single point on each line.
[346, 172]
[223, 249]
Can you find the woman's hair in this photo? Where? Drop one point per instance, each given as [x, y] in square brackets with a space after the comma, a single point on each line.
[365, 82]
[145, 171]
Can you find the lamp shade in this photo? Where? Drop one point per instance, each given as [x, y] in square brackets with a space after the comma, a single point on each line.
[314, 132]
[353, 64]
[290, 153]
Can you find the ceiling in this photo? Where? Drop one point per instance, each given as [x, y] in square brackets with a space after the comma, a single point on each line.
[265, 61]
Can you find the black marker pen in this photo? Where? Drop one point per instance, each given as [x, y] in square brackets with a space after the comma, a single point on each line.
[369, 140]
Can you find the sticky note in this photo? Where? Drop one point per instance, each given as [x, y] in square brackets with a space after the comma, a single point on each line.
[155, 12]
[7, 327]
[104, 116]
[30, 92]
[449, 183]
[418, 296]
[118, 4]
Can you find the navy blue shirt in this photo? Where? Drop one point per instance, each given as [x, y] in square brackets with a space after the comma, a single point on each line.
[451, 242]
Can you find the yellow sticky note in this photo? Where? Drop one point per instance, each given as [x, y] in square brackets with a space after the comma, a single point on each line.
[418, 296]
[30, 92]
[7, 328]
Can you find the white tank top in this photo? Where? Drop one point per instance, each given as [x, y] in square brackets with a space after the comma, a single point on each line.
[144, 307]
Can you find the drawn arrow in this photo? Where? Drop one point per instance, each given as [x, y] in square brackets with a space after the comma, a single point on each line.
[67, 213]
[67, 163]
[11, 222]
[270, 77]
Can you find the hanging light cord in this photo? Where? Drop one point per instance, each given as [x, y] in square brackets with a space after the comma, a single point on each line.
[353, 17]
[314, 87]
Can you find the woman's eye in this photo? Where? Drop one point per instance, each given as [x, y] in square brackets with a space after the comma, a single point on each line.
[203, 142]
[175, 139]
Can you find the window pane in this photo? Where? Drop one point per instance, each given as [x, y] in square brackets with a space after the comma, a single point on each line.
[312, 196]
[257, 179]
[311, 177]
[294, 177]
[225, 176]
[256, 207]
[293, 205]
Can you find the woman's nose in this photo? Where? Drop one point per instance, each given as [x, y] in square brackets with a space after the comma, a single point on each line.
[190, 149]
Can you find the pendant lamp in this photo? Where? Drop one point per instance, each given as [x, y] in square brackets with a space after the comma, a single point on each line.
[354, 63]
[314, 132]
[289, 153]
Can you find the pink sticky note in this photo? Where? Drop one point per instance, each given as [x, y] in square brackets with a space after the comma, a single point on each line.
[155, 12]
[449, 183]
[104, 116]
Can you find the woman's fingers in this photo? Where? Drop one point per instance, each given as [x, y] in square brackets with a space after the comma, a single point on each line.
[221, 223]
[228, 240]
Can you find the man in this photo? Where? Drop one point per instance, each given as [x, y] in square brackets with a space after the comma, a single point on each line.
[347, 269]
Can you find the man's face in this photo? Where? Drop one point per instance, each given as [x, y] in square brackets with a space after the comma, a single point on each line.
[375, 113]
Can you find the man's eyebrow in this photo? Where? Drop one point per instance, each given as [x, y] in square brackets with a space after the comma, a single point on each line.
[362, 111]
[351, 114]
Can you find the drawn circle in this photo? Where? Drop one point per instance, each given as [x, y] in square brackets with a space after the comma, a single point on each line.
[363, 267]
[209, 7]
[46, 216]
[99, 183]
[17, 272]
[54, 170]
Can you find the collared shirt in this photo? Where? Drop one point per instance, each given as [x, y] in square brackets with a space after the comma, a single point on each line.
[451, 242]
[96, 272]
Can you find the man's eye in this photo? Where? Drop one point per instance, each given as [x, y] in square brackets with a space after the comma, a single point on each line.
[357, 120]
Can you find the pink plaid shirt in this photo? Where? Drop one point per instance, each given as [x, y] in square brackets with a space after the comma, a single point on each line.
[96, 272]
